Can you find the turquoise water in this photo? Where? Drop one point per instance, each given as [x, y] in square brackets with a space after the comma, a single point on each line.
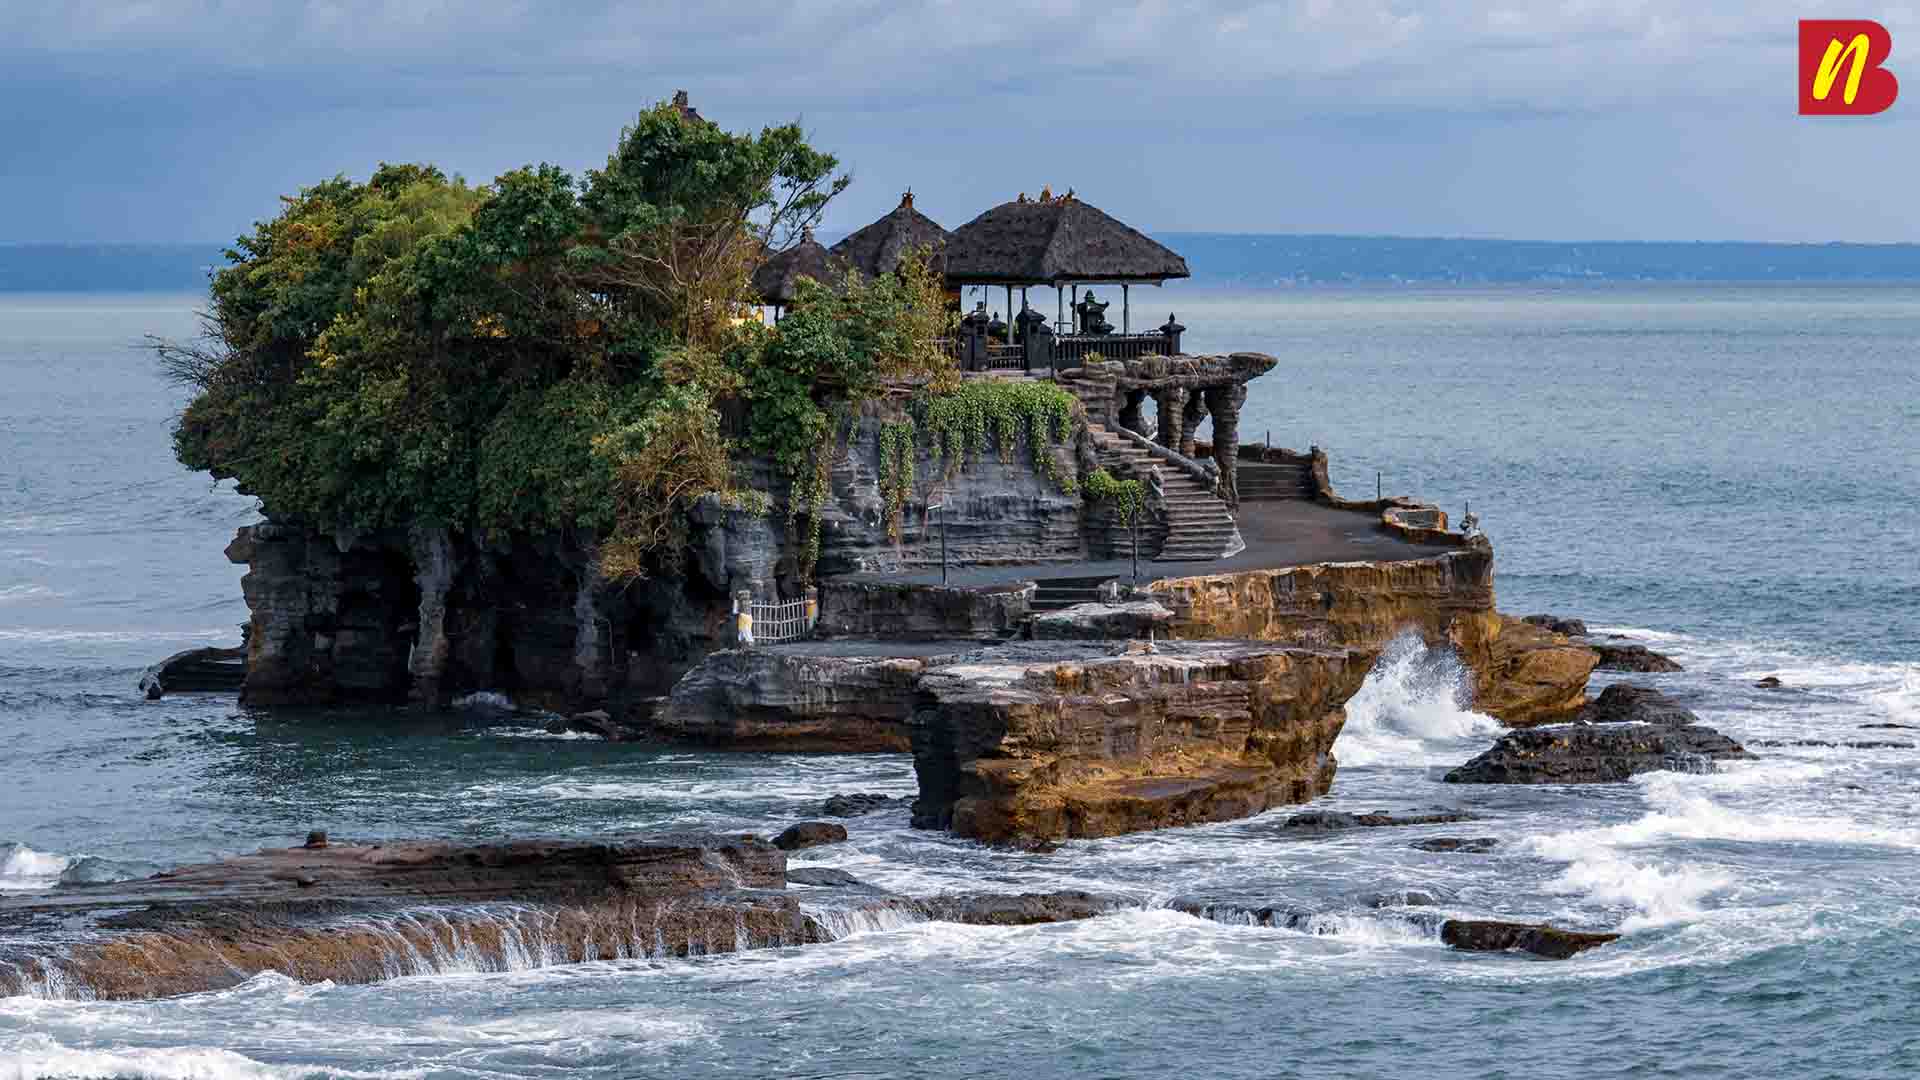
[1726, 473]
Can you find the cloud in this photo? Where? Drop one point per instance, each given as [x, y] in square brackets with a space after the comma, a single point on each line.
[183, 119]
[1329, 54]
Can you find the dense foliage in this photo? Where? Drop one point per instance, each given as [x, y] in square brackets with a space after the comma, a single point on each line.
[1126, 497]
[960, 421]
[542, 352]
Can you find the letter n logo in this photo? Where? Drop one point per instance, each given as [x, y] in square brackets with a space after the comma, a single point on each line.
[1840, 72]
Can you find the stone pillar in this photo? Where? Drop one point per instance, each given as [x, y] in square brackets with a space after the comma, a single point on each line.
[1132, 416]
[1196, 413]
[1224, 402]
[592, 644]
[434, 567]
[1172, 406]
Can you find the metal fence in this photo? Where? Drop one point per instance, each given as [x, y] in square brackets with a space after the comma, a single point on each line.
[789, 621]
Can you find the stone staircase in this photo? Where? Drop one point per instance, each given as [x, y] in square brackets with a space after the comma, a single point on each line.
[1064, 592]
[1199, 526]
[1271, 482]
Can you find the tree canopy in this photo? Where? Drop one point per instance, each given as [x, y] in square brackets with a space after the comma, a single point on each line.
[541, 352]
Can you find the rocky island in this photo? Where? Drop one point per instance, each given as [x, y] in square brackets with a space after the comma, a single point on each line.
[539, 439]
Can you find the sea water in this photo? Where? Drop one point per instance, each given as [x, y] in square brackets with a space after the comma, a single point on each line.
[1726, 474]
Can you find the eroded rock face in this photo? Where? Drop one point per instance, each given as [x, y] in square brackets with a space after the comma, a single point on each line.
[1627, 731]
[331, 912]
[1032, 741]
[775, 697]
[1125, 621]
[893, 611]
[426, 617]
[1523, 674]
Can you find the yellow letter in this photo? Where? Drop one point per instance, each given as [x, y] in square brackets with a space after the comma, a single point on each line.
[1830, 68]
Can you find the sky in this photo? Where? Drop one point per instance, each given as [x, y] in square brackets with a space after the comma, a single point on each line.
[183, 120]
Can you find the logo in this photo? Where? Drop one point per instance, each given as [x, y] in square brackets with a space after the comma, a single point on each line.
[1840, 72]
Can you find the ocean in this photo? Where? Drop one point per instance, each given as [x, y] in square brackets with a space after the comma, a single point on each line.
[1726, 473]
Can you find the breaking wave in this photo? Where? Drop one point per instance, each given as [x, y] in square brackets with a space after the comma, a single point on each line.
[1412, 710]
[21, 867]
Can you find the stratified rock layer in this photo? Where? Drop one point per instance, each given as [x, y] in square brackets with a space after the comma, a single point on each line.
[1523, 674]
[793, 700]
[1033, 741]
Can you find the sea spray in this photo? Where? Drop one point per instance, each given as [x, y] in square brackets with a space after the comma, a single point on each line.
[1412, 709]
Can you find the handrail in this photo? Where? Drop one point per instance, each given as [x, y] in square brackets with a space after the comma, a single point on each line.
[1206, 472]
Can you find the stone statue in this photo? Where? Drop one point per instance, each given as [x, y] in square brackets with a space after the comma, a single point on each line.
[1093, 315]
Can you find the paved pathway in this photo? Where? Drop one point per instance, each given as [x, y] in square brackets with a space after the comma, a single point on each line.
[1291, 532]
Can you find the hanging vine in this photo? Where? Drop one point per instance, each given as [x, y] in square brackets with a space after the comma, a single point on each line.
[959, 423]
[896, 471]
[1125, 496]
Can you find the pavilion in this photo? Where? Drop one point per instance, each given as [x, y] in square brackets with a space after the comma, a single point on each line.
[877, 249]
[1065, 243]
[776, 281]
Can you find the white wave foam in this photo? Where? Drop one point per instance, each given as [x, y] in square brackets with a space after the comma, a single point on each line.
[542, 733]
[21, 867]
[1660, 893]
[1411, 710]
[37, 1056]
[485, 701]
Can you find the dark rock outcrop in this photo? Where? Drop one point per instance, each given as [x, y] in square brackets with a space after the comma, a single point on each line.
[197, 671]
[1051, 741]
[1625, 657]
[1338, 821]
[1569, 627]
[808, 834]
[1626, 731]
[860, 803]
[825, 877]
[793, 700]
[1626, 703]
[1487, 935]
[1469, 845]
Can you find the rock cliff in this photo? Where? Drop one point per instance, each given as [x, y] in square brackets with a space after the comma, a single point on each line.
[1046, 741]
[1522, 673]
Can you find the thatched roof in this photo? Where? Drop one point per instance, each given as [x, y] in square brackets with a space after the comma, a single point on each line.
[876, 249]
[774, 280]
[1054, 240]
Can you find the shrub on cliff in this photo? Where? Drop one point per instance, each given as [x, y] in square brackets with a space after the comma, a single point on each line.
[538, 353]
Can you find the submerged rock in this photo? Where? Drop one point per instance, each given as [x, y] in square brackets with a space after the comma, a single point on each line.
[1488, 935]
[1629, 730]
[1334, 820]
[1468, 845]
[1022, 909]
[1622, 657]
[810, 834]
[859, 803]
[824, 877]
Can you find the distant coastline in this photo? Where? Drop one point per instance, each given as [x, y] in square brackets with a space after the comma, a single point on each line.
[1219, 260]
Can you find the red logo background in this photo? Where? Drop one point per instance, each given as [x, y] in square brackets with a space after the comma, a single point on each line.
[1878, 87]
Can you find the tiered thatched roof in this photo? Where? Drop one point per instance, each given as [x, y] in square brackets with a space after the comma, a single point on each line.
[775, 280]
[1052, 241]
[876, 249]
